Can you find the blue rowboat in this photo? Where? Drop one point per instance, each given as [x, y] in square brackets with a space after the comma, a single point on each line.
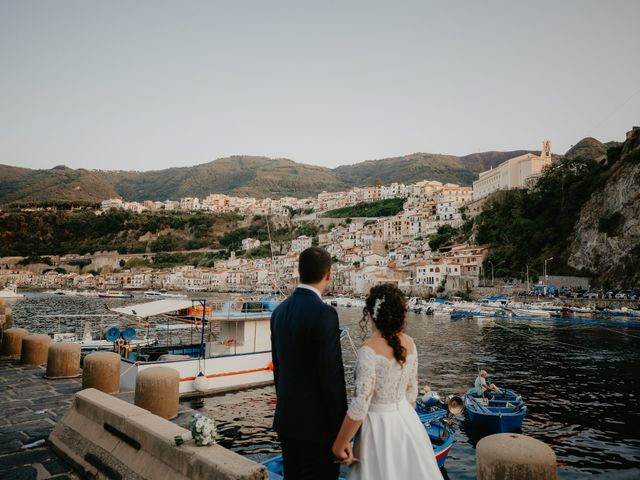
[503, 413]
[441, 436]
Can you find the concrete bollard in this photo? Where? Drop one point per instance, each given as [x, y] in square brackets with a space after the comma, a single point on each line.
[12, 342]
[35, 349]
[63, 360]
[8, 317]
[511, 456]
[101, 370]
[158, 390]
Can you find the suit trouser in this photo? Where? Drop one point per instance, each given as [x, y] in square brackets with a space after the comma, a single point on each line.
[308, 461]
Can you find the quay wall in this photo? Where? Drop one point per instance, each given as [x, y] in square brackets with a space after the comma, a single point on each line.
[105, 437]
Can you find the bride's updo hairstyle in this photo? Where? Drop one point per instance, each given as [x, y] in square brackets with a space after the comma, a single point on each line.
[386, 307]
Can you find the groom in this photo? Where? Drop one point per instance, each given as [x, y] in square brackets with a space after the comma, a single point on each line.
[308, 373]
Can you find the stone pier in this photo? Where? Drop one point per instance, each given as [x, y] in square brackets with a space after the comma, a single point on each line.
[31, 406]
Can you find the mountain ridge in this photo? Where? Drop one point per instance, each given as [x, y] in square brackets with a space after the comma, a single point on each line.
[247, 175]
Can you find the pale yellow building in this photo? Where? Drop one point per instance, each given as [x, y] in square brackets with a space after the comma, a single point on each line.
[514, 173]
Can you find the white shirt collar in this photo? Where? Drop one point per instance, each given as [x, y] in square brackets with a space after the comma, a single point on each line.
[313, 289]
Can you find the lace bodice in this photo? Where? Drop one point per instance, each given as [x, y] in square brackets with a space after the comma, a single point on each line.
[380, 380]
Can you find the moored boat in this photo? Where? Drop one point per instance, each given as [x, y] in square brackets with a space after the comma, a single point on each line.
[440, 434]
[621, 312]
[10, 291]
[162, 294]
[114, 294]
[237, 356]
[503, 413]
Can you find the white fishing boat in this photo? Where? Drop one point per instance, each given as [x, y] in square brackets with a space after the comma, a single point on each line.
[528, 312]
[236, 357]
[10, 291]
[114, 294]
[160, 294]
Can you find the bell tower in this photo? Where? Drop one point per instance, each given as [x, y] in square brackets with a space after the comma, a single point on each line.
[545, 154]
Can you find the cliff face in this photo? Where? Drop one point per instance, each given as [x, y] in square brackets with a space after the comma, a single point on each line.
[588, 148]
[607, 232]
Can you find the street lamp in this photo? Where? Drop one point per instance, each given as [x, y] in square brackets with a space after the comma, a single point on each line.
[546, 277]
[489, 261]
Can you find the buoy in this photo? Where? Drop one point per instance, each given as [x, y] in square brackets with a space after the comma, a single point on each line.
[201, 383]
[35, 349]
[158, 390]
[101, 370]
[63, 360]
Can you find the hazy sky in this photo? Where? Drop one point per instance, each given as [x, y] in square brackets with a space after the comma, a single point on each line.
[153, 84]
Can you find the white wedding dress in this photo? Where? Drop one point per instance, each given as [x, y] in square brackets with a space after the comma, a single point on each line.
[392, 443]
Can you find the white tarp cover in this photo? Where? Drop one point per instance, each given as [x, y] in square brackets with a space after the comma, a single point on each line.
[157, 307]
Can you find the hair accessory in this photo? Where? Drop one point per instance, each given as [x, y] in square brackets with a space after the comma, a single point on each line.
[376, 307]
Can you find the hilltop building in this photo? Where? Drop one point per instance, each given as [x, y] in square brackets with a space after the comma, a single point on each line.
[516, 172]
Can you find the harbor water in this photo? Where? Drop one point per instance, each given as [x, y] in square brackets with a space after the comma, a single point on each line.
[580, 381]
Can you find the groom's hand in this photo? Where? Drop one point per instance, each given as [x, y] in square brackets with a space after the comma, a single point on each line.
[340, 453]
[350, 458]
[344, 454]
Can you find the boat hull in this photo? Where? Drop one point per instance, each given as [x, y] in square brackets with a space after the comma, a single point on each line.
[224, 373]
[504, 414]
[496, 423]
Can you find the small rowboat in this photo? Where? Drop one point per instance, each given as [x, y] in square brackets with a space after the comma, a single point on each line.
[440, 433]
[502, 413]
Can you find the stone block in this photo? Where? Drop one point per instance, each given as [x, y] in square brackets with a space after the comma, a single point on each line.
[35, 349]
[101, 370]
[63, 360]
[511, 456]
[104, 436]
[12, 342]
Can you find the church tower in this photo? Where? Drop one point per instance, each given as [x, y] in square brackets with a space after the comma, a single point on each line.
[545, 155]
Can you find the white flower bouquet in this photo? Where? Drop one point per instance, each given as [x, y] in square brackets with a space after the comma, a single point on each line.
[201, 429]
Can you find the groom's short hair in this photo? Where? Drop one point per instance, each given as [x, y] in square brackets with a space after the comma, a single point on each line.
[313, 264]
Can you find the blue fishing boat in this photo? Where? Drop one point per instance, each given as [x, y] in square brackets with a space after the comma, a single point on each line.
[496, 414]
[440, 433]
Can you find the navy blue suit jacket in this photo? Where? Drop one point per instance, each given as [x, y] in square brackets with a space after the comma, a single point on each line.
[308, 369]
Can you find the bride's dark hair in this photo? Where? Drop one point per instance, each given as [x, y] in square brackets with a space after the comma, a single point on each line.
[386, 307]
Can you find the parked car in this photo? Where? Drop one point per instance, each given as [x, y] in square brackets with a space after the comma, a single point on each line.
[622, 294]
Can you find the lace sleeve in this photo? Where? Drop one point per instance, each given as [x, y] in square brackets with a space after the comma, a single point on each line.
[412, 384]
[365, 382]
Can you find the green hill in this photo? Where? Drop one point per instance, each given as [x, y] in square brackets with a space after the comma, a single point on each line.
[237, 175]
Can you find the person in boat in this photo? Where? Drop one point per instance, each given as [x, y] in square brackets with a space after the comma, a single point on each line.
[483, 386]
[308, 373]
[392, 442]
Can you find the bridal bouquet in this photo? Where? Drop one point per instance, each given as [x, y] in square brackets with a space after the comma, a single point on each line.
[201, 429]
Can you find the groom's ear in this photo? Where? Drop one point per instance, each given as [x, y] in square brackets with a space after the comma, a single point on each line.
[328, 275]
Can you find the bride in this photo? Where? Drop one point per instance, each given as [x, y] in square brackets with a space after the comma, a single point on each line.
[392, 443]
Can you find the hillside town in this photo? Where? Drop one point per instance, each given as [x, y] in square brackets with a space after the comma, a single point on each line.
[366, 251]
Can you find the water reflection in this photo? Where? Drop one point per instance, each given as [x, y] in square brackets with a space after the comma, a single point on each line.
[579, 381]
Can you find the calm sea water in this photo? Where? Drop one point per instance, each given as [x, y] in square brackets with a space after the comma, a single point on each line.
[580, 381]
